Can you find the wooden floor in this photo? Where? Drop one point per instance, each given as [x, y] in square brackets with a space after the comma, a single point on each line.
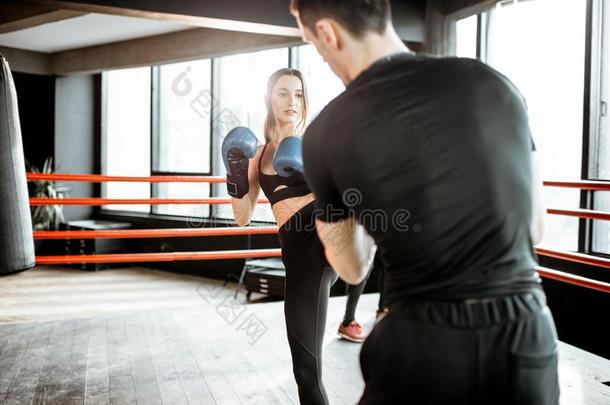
[150, 337]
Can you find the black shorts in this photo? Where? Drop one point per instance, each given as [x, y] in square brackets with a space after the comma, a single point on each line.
[493, 351]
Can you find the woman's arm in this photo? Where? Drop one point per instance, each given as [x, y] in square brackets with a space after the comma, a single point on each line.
[243, 208]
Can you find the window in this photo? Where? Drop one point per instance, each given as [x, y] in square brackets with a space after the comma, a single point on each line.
[322, 84]
[601, 229]
[602, 170]
[182, 141]
[547, 65]
[466, 43]
[182, 190]
[126, 147]
[601, 130]
[242, 83]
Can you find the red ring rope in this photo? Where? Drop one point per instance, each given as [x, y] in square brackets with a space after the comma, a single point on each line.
[583, 184]
[155, 233]
[158, 257]
[131, 201]
[574, 257]
[573, 279]
[234, 254]
[580, 213]
[98, 178]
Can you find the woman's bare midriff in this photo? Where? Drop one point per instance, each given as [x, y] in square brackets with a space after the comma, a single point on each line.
[283, 210]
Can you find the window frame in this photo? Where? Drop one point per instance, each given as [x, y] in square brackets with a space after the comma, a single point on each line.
[155, 135]
[598, 11]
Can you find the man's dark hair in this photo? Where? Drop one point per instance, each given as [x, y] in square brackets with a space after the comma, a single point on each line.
[357, 16]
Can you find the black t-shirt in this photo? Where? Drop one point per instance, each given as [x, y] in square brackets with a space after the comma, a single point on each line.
[433, 157]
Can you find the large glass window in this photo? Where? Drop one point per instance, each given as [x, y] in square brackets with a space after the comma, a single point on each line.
[322, 84]
[182, 144]
[466, 33]
[547, 65]
[601, 229]
[242, 83]
[126, 147]
[182, 141]
[182, 190]
[601, 168]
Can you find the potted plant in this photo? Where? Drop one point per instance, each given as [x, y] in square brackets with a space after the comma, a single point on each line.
[45, 217]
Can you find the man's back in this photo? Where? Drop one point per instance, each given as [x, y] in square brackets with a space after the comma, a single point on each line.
[433, 157]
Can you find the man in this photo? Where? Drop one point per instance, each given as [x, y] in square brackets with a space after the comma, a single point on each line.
[433, 158]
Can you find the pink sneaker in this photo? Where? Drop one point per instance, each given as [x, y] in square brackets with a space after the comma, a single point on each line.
[352, 332]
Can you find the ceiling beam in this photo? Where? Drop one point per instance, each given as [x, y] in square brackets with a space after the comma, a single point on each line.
[197, 43]
[24, 61]
[465, 8]
[261, 16]
[15, 17]
[244, 20]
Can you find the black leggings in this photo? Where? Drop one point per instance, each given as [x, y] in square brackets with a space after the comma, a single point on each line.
[496, 351]
[355, 291]
[306, 291]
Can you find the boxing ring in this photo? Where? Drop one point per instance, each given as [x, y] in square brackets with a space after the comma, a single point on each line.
[215, 343]
[544, 272]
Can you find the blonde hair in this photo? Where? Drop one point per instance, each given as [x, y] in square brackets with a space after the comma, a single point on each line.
[269, 128]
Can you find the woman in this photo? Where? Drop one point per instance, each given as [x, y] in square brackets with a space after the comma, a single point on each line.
[308, 276]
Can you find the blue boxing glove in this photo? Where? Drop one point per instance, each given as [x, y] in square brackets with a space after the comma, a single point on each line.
[238, 147]
[288, 157]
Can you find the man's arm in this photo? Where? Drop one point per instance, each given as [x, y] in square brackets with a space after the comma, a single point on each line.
[349, 249]
[538, 206]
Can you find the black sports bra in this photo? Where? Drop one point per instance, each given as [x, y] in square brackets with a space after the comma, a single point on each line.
[296, 186]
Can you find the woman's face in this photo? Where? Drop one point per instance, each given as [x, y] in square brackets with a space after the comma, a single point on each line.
[287, 100]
